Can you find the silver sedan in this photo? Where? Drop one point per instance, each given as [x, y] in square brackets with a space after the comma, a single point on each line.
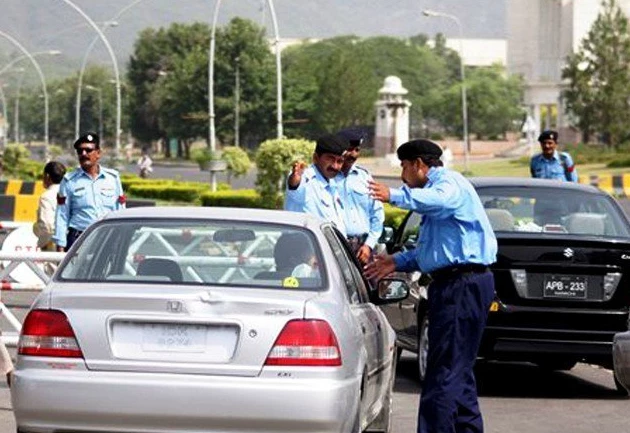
[207, 319]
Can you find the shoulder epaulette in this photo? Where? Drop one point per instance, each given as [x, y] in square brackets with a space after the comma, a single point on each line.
[111, 171]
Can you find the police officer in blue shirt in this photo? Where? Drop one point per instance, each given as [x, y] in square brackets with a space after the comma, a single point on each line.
[551, 164]
[363, 215]
[314, 189]
[455, 247]
[86, 194]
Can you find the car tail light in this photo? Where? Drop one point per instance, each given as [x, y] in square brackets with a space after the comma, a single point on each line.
[611, 280]
[519, 277]
[305, 343]
[48, 333]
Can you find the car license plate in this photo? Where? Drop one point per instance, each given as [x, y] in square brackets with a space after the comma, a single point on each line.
[565, 286]
[166, 337]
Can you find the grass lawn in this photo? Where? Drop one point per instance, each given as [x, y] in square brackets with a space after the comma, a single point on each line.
[519, 168]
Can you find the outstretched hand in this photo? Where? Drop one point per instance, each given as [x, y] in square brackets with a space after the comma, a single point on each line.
[378, 191]
[296, 174]
[381, 266]
[364, 254]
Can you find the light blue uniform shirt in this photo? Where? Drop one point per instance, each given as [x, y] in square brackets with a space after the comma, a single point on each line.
[83, 200]
[560, 167]
[362, 214]
[455, 228]
[317, 196]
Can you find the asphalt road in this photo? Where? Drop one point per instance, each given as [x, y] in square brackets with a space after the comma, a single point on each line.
[515, 398]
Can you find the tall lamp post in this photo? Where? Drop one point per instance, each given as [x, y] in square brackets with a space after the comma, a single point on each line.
[116, 71]
[107, 24]
[430, 13]
[100, 107]
[4, 110]
[16, 126]
[237, 102]
[211, 115]
[43, 81]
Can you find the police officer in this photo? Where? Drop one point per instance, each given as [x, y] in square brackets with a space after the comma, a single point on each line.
[314, 189]
[363, 216]
[551, 164]
[86, 194]
[455, 247]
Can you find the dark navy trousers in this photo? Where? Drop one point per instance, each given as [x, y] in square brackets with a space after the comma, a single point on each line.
[458, 310]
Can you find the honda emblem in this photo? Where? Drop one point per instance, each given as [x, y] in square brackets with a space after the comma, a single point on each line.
[174, 307]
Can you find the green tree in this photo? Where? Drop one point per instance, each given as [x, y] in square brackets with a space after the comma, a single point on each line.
[169, 76]
[494, 103]
[598, 76]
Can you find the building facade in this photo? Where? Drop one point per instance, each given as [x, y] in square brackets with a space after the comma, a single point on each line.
[540, 35]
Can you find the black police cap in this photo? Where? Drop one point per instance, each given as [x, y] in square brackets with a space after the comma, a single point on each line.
[354, 136]
[419, 149]
[548, 135]
[331, 144]
[90, 137]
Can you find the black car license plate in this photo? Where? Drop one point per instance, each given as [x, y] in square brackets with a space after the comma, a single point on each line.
[565, 286]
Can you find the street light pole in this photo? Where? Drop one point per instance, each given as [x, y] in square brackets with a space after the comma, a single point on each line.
[100, 107]
[430, 13]
[237, 103]
[4, 110]
[9, 65]
[43, 81]
[116, 71]
[211, 114]
[16, 127]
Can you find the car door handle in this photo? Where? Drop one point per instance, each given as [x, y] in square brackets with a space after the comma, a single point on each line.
[363, 329]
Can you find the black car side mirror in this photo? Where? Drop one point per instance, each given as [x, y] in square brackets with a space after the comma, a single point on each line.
[390, 290]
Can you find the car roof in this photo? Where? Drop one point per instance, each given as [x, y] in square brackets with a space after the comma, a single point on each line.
[218, 213]
[528, 182]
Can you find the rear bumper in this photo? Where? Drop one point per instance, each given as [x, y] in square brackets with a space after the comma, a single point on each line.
[528, 334]
[46, 401]
[621, 358]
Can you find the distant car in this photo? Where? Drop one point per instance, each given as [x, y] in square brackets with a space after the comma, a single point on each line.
[207, 319]
[562, 276]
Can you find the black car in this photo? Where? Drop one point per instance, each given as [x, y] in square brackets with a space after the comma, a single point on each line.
[562, 275]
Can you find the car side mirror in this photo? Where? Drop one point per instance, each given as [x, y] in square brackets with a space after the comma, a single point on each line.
[387, 235]
[390, 290]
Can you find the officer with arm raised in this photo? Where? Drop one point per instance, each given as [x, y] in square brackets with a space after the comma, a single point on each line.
[314, 189]
[86, 194]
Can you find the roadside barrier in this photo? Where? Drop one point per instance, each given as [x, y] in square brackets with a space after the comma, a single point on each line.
[617, 185]
[21, 187]
[38, 262]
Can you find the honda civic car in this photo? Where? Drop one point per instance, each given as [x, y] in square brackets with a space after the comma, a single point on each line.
[207, 319]
[562, 276]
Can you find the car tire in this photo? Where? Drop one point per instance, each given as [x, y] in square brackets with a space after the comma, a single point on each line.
[423, 347]
[620, 389]
[383, 422]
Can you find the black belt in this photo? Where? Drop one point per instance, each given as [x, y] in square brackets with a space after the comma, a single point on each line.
[454, 271]
[73, 231]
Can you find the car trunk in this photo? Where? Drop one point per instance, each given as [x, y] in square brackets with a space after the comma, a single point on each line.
[177, 329]
[556, 278]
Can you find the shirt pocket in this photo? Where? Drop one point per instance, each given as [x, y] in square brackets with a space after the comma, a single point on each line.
[108, 197]
[360, 194]
[80, 198]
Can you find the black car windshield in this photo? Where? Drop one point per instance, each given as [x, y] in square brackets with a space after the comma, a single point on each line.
[553, 210]
[197, 252]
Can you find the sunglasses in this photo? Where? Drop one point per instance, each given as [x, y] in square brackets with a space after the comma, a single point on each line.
[87, 150]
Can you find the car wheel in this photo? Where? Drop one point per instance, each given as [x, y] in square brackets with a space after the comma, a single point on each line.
[383, 422]
[423, 347]
[621, 390]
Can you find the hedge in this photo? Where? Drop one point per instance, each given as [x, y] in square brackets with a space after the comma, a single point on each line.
[247, 198]
[173, 192]
[394, 216]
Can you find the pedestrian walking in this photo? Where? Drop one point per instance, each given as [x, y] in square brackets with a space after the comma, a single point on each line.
[314, 189]
[86, 194]
[551, 164]
[44, 226]
[363, 216]
[455, 247]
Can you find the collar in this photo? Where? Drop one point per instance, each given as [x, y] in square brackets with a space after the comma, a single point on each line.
[433, 174]
[101, 172]
[556, 156]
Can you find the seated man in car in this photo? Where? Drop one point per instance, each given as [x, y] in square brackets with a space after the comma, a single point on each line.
[294, 257]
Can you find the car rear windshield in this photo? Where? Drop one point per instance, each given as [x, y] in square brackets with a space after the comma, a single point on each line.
[553, 210]
[184, 252]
